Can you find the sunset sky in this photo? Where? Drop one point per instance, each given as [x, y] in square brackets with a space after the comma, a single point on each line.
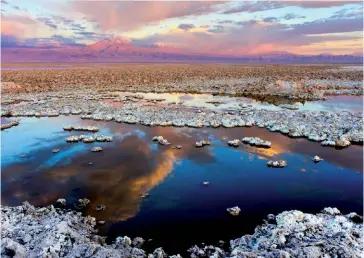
[231, 27]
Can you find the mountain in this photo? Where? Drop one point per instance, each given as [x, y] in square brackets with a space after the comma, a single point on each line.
[109, 46]
[357, 54]
[125, 50]
[125, 47]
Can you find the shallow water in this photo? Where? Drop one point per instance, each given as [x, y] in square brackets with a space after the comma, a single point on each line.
[179, 211]
[333, 103]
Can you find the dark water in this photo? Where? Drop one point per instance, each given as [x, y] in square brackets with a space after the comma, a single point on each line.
[179, 211]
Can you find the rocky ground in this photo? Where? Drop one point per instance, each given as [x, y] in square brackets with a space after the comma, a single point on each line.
[27, 231]
[338, 129]
[293, 81]
[83, 91]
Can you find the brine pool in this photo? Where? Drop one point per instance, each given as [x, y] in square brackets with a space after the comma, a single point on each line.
[179, 211]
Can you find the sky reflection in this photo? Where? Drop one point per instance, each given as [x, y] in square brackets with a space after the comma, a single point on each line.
[132, 165]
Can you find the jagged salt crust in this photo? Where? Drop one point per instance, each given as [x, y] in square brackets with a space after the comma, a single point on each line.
[335, 129]
[27, 231]
[297, 234]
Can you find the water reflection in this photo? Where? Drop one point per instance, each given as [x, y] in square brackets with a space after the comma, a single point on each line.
[221, 102]
[127, 168]
[132, 165]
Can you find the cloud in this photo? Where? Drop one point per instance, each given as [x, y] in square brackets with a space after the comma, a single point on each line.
[291, 16]
[252, 7]
[8, 41]
[55, 41]
[225, 22]
[126, 16]
[92, 36]
[320, 4]
[258, 36]
[48, 21]
[216, 29]
[270, 19]
[19, 25]
[348, 13]
[56, 21]
[62, 19]
[329, 26]
[249, 22]
[186, 26]
[70, 41]
[4, 2]
[76, 26]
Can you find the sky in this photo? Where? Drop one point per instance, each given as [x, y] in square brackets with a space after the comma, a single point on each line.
[227, 28]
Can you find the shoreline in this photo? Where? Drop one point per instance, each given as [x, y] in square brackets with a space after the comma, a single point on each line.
[28, 231]
[335, 129]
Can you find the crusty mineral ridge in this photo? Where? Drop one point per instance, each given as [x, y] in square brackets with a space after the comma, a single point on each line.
[338, 129]
[298, 234]
[307, 82]
[27, 231]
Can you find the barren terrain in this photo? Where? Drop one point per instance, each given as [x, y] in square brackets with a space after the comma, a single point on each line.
[296, 82]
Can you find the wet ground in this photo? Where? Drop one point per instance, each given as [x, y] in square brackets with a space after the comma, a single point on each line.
[180, 210]
[333, 103]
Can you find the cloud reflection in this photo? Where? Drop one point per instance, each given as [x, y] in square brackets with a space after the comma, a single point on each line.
[133, 164]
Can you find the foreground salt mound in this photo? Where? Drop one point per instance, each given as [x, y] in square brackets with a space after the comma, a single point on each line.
[27, 231]
[298, 234]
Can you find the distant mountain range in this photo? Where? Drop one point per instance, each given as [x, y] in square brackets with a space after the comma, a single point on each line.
[123, 50]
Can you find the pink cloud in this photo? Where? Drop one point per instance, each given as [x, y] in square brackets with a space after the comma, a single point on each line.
[320, 4]
[17, 25]
[257, 6]
[260, 36]
[124, 16]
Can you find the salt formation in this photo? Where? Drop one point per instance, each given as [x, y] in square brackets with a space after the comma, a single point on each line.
[277, 164]
[160, 140]
[9, 125]
[234, 143]
[234, 210]
[202, 143]
[96, 149]
[256, 141]
[27, 231]
[317, 159]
